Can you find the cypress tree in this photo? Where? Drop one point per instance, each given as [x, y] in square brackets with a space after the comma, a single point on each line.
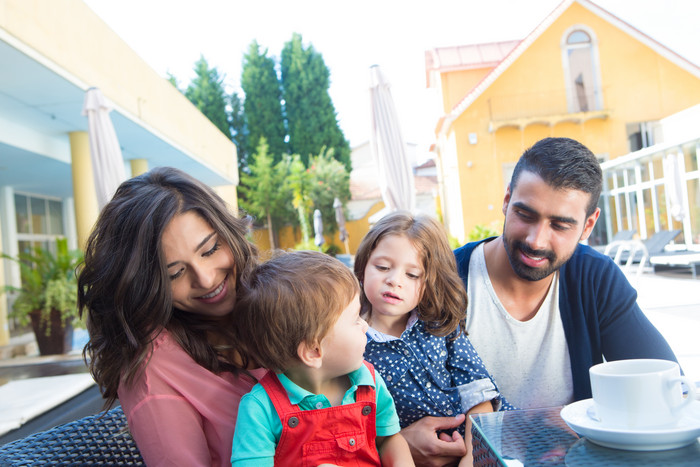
[239, 130]
[206, 92]
[263, 103]
[311, 118]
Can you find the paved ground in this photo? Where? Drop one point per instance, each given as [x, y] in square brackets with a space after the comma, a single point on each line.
[37, 367]
[672, 302]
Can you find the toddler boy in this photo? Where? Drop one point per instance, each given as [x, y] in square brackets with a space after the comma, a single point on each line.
[320, 403]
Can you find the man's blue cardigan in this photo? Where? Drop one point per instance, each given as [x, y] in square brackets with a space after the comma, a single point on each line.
[599, 312]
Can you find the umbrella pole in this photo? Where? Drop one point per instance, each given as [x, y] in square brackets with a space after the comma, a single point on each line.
[347, 247]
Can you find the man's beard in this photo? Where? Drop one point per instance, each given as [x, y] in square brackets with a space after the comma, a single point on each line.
[523, 270]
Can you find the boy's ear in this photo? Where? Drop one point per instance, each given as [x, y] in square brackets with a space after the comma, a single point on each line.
[310, 355]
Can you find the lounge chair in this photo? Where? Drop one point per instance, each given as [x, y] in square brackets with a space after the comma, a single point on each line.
[677, 259]
[620, 236]
[630, 252]
[101, 439]
[639, 251]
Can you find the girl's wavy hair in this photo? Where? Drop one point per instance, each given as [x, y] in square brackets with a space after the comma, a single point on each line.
[443, 302]
[124, 288]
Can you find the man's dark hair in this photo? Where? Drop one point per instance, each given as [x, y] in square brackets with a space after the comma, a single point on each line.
[563, 163]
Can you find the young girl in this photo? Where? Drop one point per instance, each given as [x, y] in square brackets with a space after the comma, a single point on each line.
[415, 305]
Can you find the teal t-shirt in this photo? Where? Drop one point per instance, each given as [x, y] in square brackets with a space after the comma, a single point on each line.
[259, 428]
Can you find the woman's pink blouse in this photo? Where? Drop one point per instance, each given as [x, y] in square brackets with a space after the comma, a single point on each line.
[179, 413]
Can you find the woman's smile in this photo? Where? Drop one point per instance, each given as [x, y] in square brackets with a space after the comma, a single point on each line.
[200, 265]
[216, 294]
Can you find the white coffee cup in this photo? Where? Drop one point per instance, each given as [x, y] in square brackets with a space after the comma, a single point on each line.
[639, 393]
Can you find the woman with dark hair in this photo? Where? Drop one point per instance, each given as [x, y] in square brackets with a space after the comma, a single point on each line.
[158, 286]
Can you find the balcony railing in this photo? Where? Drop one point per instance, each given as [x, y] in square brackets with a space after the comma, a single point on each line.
[547, 107]
[653, 189]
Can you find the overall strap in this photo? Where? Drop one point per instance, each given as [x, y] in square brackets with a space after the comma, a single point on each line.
[277, 394]
[365, 393]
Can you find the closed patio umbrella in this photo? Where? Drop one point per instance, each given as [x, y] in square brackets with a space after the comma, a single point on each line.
[318, 229]
[340, 219]
[105, 153]
[388, 147]
[673, 181]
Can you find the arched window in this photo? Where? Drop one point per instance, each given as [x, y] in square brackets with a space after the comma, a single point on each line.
[580, 57]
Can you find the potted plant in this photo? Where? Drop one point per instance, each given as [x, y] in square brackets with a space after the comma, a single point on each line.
[48, 295]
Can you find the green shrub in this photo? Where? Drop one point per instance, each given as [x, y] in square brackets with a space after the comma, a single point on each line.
[329, 249]
[480, 231]
[454, 242]
[48, 283]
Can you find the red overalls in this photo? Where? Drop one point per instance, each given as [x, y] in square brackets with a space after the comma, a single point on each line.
[342, 435]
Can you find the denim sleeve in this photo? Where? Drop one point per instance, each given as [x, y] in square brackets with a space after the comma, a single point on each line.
[473, 381]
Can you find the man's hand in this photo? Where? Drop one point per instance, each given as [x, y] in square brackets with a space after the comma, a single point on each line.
[429, 449]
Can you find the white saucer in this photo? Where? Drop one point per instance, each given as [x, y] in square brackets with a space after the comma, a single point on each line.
[685, 432]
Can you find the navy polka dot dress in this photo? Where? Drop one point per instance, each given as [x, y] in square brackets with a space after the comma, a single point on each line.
[431, 375]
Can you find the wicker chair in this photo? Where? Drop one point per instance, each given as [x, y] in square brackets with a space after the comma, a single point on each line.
[101, 439]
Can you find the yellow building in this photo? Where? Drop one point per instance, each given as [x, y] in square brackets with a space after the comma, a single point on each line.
[582, 73]
[51, 53]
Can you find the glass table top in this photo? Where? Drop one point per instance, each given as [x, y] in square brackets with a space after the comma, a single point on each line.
[539, 437]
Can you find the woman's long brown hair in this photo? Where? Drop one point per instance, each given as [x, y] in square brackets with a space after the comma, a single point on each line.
[124, 288]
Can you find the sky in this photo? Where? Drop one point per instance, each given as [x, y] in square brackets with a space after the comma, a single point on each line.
[171, 35]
